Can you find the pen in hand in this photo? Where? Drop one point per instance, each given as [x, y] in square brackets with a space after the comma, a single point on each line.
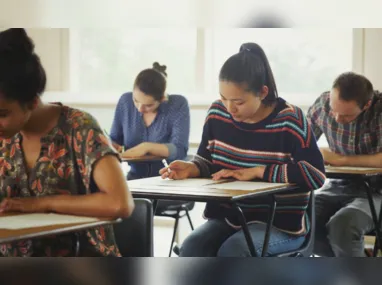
[122, 149]
[166, 165]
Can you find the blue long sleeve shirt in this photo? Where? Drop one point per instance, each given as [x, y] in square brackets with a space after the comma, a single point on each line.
[171, 127]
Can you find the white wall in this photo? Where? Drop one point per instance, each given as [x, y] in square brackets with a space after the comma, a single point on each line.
[51, 46]
[373, 56]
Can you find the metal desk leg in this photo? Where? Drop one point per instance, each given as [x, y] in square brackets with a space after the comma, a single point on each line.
[247, 234]
[269, 226]
[374, 216]
[77, 244]
[375, 250]
[155, 204]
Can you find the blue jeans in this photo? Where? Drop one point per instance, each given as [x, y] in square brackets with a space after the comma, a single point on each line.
[217, 238]
[343, 218]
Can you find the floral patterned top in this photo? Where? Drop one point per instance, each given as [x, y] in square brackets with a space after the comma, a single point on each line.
[68, 153]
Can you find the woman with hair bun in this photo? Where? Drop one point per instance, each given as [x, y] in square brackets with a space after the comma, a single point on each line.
[53, 158]
[149, 121]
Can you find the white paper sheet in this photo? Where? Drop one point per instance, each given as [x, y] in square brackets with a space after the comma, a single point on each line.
[202, 183]
[39, 220]
[158, 181]
[245, 185]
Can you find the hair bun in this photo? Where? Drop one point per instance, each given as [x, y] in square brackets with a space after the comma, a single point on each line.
[250, 47]
[17, 42]
[160, 68]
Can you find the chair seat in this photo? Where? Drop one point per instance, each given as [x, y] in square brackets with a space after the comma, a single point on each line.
[170, 208]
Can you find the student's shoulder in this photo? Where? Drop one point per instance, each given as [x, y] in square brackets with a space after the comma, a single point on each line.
[377, 104]
[322, 102]
[218, 105]
[292, 119]
[79, 120]
[290, 112]
[126, 97]
[177, 101]
[217, 112]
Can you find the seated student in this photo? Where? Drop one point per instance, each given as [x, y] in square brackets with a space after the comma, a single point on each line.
[148, 121]
[53, 158]
[251, 134]
[350, 116]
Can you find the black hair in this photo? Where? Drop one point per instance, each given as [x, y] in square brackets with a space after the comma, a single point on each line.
[152, 81]
[354, 87]
[22, 77]
[250, 68]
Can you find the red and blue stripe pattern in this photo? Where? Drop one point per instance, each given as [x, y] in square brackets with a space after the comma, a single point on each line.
[283, 143]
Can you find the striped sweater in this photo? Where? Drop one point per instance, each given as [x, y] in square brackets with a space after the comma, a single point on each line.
[283, 143]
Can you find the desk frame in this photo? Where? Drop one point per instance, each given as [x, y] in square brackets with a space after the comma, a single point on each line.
[234, 200]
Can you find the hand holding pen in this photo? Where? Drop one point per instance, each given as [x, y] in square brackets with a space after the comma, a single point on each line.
[119, 148]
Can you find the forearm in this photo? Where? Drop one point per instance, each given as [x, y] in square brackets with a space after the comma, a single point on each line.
[157, 149]
[368, 160]
[301, 173]
[203, 165]
[97, 205]
[194, 171]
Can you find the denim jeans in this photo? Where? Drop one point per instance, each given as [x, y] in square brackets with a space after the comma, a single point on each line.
[217, 238]
[343, 217]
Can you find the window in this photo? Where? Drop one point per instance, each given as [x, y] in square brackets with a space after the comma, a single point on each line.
[305, 62]
[108, 60]
[105, 62]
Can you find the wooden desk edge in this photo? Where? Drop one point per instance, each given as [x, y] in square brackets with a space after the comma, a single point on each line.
[8, 235]
[209, 192]
[142, 158]
[355, 172]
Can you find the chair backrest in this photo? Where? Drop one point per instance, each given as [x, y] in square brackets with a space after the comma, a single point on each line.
[134, 235]
[307, 247]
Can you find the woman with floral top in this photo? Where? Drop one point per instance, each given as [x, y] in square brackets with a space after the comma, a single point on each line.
[53, 158]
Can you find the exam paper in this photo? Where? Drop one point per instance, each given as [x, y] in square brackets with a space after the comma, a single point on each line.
[246, 185]
[158, 181]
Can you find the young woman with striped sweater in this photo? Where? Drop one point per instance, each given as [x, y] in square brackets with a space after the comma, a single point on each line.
[252, 134]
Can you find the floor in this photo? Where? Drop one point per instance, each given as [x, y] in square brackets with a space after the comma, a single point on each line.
[163, 230]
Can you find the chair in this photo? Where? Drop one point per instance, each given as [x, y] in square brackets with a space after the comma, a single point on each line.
[306, 250]
[134, 235]
[175, 210]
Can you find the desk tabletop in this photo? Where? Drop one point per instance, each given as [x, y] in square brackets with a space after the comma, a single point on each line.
[8, 235]
[333, 170]
[145, 158]
[203, 194]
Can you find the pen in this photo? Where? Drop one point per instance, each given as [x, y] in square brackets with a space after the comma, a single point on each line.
[166, 165]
